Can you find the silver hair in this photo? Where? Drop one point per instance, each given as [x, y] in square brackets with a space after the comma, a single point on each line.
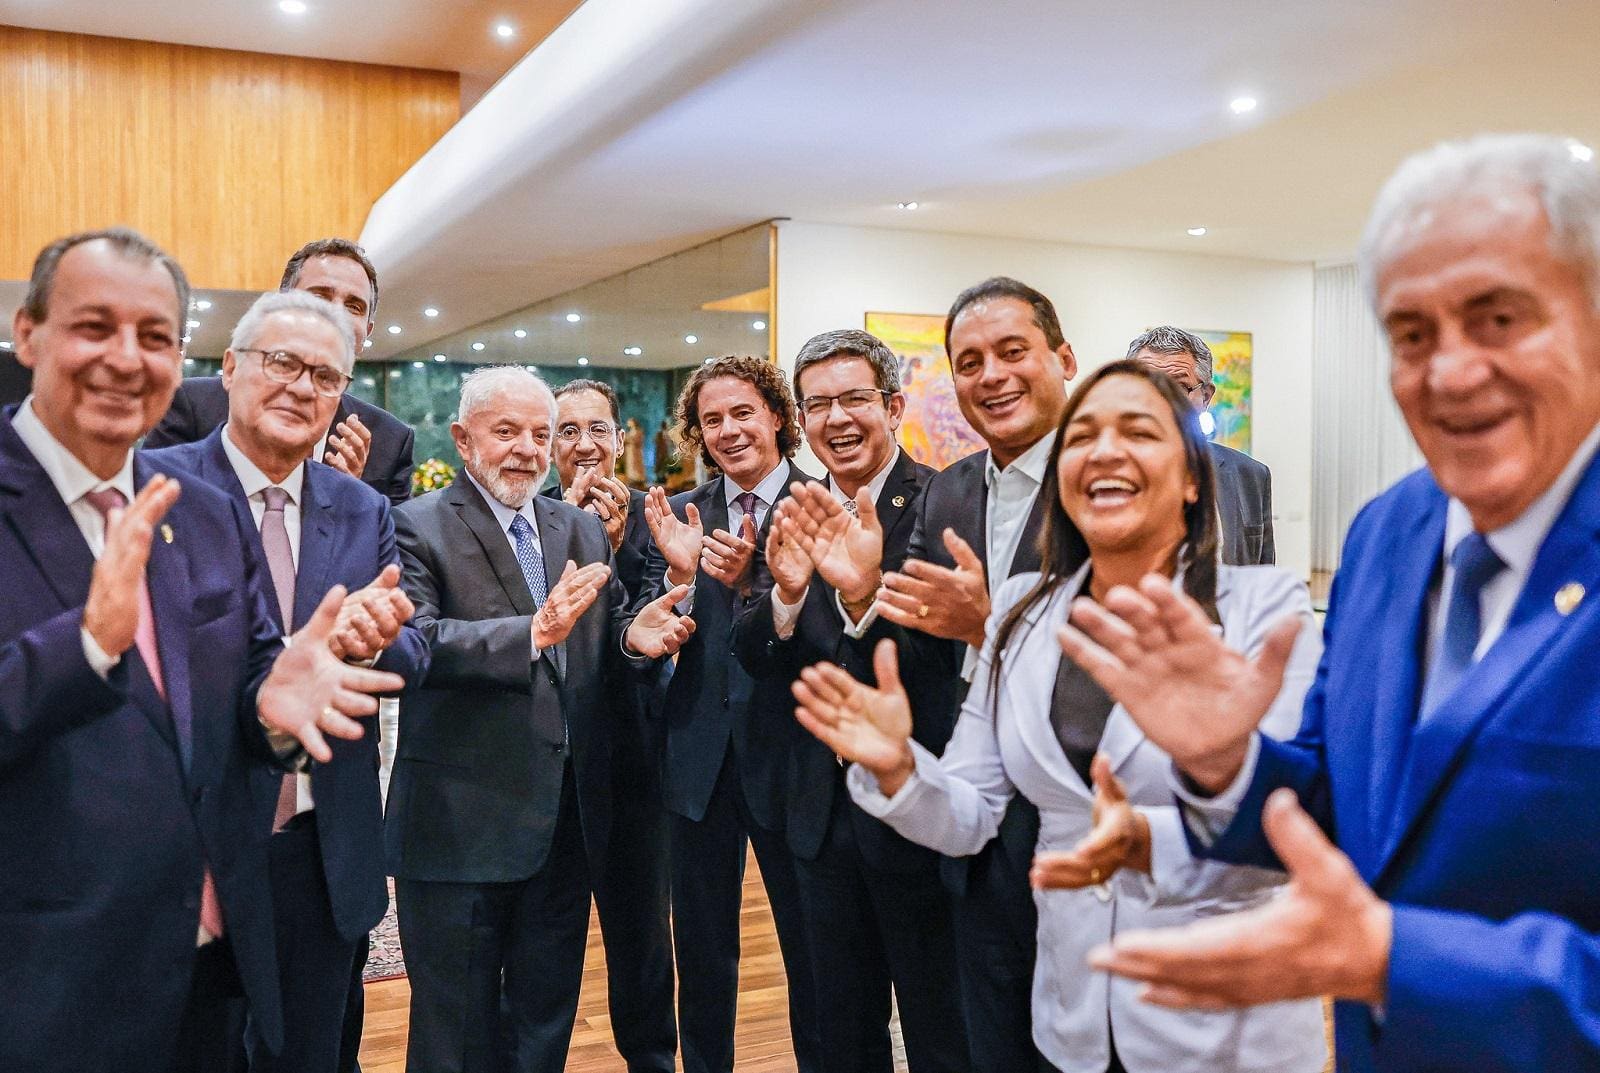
[850, 343]
[248, 330]
[1560, 172]
[1169, 340]
[480, 386]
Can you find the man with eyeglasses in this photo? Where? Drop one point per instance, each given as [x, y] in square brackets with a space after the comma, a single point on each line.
[284, 373]
[1244, 486]
[632, 889]
[877, 915]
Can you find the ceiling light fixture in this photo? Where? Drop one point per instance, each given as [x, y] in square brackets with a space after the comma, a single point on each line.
[366, 344]
[430, 312]
[188, 361]
[691, 339]
[1196, 232]
[573, 318]
[292, 7]
[708, 361]
[202, 305]
[394, 329]
[1580, 152]
[440, 357]
[521, 333]
[477, 346]
[394, 374]
[909, 206]
[758, 325]
[193, 324]
[1241, 105]
[583, 361]
[416, 365]
[505, 31]
[5, 344]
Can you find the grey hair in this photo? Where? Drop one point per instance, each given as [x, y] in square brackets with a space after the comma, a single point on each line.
[850, 343]
[127, 243]
[1560, 172]
[480, 386]
[248, 330]
[1169, 340]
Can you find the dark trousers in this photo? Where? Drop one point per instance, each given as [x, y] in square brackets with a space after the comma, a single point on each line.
[632, 897]
[708, 858]
[996, 927]
[495, 967]
[869, 930]
[213, 1016]
[355, 1007]
[314, 960]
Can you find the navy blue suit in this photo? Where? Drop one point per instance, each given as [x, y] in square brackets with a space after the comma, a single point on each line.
[1479, 825]
[328, 869]
[723, 783]
[114, 801]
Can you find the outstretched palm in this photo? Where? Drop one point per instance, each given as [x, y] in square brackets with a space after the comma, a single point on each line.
[847, 548]
[859, 723]
[678, 540]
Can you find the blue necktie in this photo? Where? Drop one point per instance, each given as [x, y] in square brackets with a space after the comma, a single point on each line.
[1475, 565]
[531, 561]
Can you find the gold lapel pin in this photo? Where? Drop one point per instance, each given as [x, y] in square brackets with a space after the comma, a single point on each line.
[1568, 597]
[899, 501]
[166, 533]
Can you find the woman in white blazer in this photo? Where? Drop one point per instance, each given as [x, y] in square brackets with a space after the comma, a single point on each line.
[1134, 490]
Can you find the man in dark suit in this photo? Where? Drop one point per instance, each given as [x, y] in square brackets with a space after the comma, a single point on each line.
[141, 679]
[723, 784]
[1244, 486]
[14, 379]
[362, 439]
[977, 525]
[877, 916]
[500, 805]
[317, 527]
[632, 893]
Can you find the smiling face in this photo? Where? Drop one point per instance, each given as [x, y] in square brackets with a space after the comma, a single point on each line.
[1123, 477]
[853, 444]
[106, 358]
[505, 443]
[1011, 386]
[278, 425]
[585, 411]
[344, 283]
[740, 430]
[1495, 347]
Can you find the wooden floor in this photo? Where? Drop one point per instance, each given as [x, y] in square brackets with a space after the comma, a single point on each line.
[761, 1043]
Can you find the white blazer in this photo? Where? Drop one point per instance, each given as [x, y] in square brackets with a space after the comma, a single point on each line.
[954, 804]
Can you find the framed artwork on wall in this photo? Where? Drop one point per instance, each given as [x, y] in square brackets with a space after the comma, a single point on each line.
[933, 431]
[1231, 354]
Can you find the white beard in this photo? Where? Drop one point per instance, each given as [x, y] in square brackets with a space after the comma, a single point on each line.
[511, 492]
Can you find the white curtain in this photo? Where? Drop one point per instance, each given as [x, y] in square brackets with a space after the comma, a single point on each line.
[1359, 443]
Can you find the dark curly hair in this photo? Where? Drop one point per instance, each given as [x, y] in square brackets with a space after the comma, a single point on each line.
[761, 374]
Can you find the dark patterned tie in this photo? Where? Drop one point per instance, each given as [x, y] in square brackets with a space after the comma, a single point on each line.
[1475, 565]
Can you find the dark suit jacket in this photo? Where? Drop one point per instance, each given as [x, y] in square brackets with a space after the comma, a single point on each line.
[112, 800]
[814, 777]
[16, 380]
[201, 404]
[708, 701]
[346, 538]
[1478, 825]
[477, 780]
[1244, 499]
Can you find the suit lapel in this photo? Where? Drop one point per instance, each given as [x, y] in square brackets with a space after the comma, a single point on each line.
[42, 523]
[1026, 557]
[316, 544]
[480, 520]
[899, 492]
[170, 585]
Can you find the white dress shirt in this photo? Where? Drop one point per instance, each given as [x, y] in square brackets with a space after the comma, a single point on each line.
[784, 616]
[1011, 492]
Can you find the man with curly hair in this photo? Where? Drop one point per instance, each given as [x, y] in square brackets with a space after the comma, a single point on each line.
[722, 784]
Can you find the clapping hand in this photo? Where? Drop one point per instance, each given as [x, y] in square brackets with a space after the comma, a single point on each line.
[656, 631]
[679, 541]
[847, 549]
[311, 692]
[370, 618]
[945, 602]
[728, 557]
[1154, 651]
[604, 497]
[348, 446]
[787, 561]
[1120, 838]
[111, 614]
[871, 727]
[574, 592]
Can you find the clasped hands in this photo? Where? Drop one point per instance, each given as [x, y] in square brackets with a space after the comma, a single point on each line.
[605, 497]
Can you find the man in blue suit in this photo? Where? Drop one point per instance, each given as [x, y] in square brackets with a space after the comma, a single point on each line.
[289, 361]
[141, 680]
[1451, 742]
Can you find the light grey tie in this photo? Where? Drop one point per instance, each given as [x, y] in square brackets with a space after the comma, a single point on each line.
[280, 558]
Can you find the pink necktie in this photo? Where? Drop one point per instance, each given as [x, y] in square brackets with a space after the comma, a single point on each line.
[144, 639]
[280, 564]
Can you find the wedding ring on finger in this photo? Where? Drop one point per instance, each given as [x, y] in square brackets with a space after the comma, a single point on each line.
[922, 610]
[1094, 875]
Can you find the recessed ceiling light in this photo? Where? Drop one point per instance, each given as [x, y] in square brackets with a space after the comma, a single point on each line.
[440, 357]
[1241, 105]
[187, 338]
[583, 361]
[394, 329]
[5, 345]
[708, 361]
[366, 344]
[1580, 152]
[186, 361]
[758, 325]
[573, 318]
[505, 31]
[477, 346]
[193, 324]
[691, 339]
[394, 374]
[417, 365]
[909, 206]
[633, 351]
[201, 304]
[1197, 231]
[521, 333]
[292, 7]
[430, 312]
[369, 381]
[533, 368]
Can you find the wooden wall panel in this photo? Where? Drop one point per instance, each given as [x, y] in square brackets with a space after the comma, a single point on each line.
[230, 160]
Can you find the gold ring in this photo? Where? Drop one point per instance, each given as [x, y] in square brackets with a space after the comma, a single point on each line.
[1094, 875]
[922, 611]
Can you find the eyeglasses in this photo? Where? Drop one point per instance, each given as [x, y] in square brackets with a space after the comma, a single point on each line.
[596, 431]
[858, 399]
[285, 367]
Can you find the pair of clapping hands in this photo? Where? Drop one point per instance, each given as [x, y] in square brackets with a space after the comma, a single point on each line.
[603, 496]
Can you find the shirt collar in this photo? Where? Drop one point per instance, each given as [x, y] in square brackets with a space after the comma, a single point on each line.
[252, 480]
[504, 515]
[1031, 462]
[768, 491]
[874, 486]
[1518, 542]
[72, 479]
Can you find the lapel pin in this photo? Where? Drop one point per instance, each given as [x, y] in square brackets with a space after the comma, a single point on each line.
[1568, 597]
[899, 501]
[166, 533]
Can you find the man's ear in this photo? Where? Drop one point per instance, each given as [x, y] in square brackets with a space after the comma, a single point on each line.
[229, 363]
[22, 327]
[897, 410]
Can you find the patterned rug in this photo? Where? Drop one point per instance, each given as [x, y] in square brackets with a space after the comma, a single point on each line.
[385, 962]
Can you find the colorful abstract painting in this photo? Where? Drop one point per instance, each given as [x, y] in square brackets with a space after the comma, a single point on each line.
[934, 432]
[1231, 353]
